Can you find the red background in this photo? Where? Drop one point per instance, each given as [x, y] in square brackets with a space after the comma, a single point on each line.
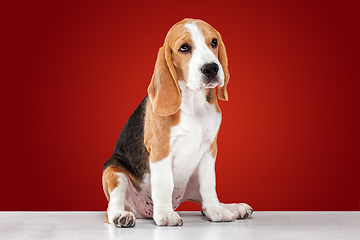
[73, 72]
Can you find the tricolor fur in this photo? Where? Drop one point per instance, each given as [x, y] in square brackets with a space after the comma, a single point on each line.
[166, 152]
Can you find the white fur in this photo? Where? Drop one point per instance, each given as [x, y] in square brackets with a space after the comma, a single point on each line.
[117, 200]
[162, 186]
[190, 142]
[201, 55]
[210, 203]
[117, 196]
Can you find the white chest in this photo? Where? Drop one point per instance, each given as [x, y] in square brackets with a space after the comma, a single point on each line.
[192, 137]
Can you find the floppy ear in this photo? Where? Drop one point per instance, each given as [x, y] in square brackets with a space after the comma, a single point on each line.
[164, 90]
[222, 91]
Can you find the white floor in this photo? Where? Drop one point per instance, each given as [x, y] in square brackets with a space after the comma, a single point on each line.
[263, 225]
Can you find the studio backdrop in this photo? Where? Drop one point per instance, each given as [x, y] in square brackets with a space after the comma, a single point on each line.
[73, 72]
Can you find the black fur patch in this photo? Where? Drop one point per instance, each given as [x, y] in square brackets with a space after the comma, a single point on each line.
[130, 152]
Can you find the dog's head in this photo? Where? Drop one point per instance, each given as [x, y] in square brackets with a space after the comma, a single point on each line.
[193, 52]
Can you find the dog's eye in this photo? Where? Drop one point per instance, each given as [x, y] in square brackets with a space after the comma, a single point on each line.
[214, 43]
[184, 48]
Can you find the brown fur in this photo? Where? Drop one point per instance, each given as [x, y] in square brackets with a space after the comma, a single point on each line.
[213, 148]
[211, 99]
[157, 133]
[164, 90]
[110, 180]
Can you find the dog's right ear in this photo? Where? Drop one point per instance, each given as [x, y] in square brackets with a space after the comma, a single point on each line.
[222, 91]
[164, 90]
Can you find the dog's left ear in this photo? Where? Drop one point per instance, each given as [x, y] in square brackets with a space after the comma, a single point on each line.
[164, 90]
[222, 91]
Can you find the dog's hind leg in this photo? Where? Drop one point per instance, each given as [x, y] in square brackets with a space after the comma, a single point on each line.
[115, 184]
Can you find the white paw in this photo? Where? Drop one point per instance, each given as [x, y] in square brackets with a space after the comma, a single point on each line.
[170, 218]
[218, 213]
[240, 210]
[123, 219]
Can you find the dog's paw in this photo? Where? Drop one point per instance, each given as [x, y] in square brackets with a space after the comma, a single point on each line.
[240, 210]
[170, 218]
[124, 219]
[218, 213]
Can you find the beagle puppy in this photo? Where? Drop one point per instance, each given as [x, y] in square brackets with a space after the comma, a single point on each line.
[166, 152]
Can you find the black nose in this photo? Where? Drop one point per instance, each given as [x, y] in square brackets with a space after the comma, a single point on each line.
[210, 70]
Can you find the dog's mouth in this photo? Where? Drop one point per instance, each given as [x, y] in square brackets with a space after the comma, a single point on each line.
[212, 84]
[206, 83]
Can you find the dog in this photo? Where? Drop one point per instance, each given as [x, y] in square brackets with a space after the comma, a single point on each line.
[166, 152]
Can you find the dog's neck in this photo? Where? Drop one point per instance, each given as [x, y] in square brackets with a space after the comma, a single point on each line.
[195, 102]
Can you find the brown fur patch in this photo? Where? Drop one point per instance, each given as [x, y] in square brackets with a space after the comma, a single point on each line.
[211, 98]
[157, 133]
[110, 180]
[164, 90]
[106, 218]
[213, 148]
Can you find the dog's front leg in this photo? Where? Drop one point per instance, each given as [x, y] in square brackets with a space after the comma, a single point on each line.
[211, 207]
[162, 186]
